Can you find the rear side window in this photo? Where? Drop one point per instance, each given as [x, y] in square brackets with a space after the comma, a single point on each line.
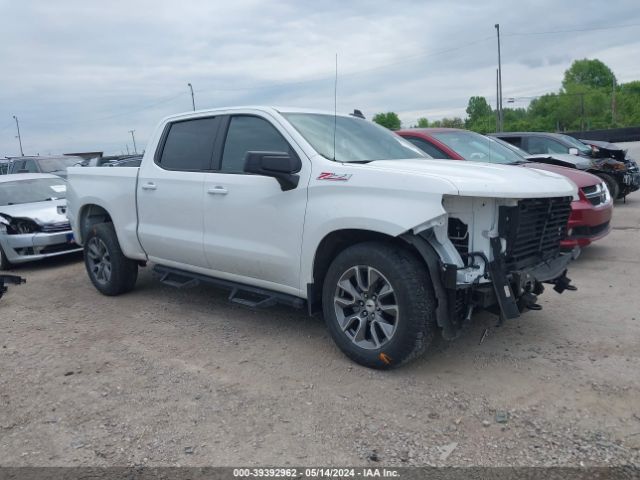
[517, 141]
[189, 145]
[427, 147]
[247, 134]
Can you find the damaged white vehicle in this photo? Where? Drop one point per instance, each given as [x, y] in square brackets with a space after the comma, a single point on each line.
[33, 221]
[331, 212]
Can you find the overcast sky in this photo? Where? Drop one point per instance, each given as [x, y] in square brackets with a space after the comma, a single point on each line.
[79, 75]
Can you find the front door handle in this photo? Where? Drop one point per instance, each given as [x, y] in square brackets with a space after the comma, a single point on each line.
[217, 190]
[149, 186]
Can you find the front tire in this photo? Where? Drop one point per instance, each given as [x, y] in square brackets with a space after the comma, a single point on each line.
[378, 304]
[612, 185]
[109, 270]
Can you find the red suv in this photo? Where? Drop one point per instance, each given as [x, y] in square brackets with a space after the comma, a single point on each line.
[590, 214]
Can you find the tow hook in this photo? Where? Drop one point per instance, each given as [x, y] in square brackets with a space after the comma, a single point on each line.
[6, 279]
[563, 283]
[529, 300]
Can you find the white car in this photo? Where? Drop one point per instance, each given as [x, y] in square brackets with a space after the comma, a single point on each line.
[33, 221]
[331, 212]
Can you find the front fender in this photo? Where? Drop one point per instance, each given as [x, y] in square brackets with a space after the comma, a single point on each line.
[376, 210]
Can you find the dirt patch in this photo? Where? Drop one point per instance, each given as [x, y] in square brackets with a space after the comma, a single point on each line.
[181, 377]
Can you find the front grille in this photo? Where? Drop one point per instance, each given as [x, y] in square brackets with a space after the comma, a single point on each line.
[533, 230]
[56, 227]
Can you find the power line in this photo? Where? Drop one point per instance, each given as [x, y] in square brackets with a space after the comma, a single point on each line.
[328, 77]
[115, 115]
[572, 30]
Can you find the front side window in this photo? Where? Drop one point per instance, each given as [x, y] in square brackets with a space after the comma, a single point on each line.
[575, 143]
[189, 145]
[249, 134]
[541, 145]
[476, 147]
[351, 139]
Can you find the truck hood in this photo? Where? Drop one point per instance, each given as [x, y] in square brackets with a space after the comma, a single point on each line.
[581, 179]
[475, 179]
[43, 213]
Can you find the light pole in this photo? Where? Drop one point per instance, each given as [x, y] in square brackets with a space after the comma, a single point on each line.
[135, 150]
[501, 116]
[19, 137]
[497, 102]
[193, 101]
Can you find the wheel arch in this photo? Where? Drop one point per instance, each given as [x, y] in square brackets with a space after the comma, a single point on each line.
[90, 215]
[335, 242]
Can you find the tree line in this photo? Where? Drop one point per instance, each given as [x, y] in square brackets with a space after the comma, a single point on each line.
[590, 98]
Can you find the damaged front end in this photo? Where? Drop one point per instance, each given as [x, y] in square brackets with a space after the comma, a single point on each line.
[496, 255]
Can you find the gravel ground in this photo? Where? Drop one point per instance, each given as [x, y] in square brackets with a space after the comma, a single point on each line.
[181, 377]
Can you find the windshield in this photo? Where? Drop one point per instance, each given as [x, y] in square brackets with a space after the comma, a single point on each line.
[582, 148]
[476, 147]
[356, 140]
[32, 190]
[48, 165]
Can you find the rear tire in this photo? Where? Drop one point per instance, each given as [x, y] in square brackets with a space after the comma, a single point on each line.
[612, 185]
[109, 270]
[378, 304]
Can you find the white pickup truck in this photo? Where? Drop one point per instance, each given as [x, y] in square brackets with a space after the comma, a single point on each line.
[331, 212]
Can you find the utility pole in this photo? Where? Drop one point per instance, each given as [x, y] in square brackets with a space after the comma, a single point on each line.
[497, 102]
[19, 137]
[501, 115]
[613, 102]
[193, 100]
[582, 112]
[127, 145]
[135, 150]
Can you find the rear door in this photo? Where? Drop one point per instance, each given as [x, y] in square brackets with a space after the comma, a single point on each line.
[170, 193]
[253, 229]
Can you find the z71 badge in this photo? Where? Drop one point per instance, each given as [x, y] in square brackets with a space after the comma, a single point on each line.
[335, 177]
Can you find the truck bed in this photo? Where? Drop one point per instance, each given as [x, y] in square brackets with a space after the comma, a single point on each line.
[113, 189]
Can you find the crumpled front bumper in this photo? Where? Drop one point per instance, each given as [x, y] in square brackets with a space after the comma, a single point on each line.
[518, 289]
[28, 247]
[632, 180]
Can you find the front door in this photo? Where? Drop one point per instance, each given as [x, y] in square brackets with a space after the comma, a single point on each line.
[253, 229]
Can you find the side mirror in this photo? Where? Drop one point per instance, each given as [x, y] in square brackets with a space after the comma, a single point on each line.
[280, 165]
[573, 151]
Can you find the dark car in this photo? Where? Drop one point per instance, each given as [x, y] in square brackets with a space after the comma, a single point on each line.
[590, 214]
[56, 165]
[621, 175]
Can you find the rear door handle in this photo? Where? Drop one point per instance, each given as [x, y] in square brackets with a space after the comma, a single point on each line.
[149, 186]
[217, 190]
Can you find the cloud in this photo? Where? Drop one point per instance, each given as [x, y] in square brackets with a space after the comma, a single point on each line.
[79, 74]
